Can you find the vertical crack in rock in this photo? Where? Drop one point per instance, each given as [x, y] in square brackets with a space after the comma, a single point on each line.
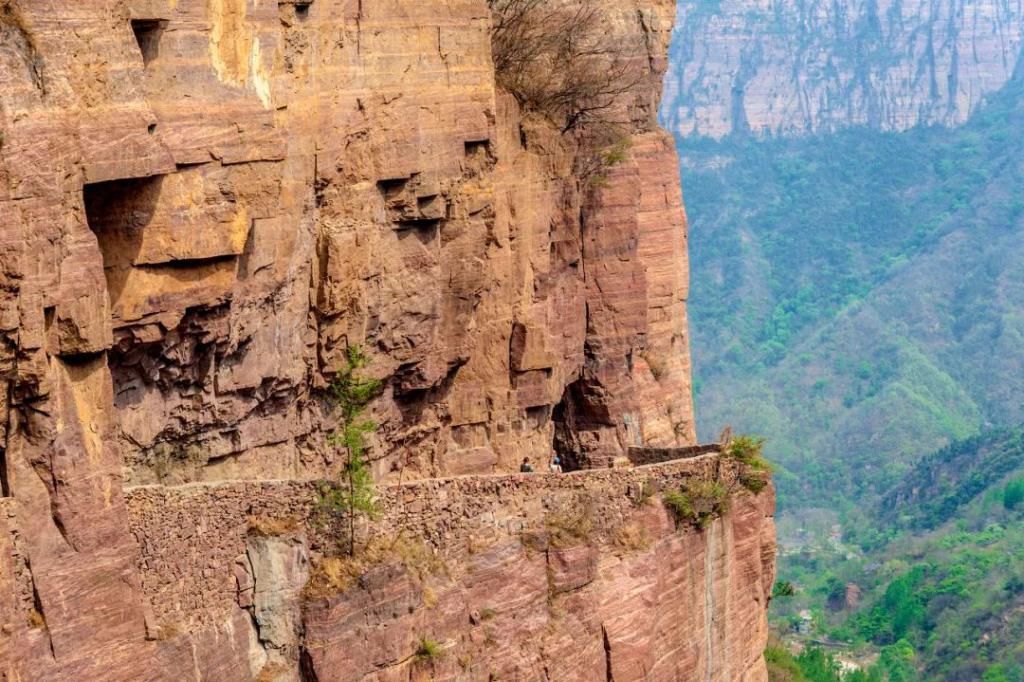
[5, 481]
[608, 676]
[307, 671]
[710, 548]
[37, 604]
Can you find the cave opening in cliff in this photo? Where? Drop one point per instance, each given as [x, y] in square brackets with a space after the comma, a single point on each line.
[117, 212]
[564, 417]
[147, 35]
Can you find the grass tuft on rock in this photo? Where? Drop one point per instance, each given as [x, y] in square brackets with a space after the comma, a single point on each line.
[697, 502]
[333, 575]
[429, 649]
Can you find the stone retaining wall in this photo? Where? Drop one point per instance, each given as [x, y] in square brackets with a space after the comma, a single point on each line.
[631, 592]
[647, 455]
[191, 536]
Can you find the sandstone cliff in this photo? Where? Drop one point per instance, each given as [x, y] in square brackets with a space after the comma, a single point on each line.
[202, 203]
[800, 66]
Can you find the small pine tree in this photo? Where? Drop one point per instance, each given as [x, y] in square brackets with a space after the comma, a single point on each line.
[351, 393]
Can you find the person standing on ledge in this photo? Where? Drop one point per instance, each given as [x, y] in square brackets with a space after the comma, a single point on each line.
[556, 465]
[526, 467]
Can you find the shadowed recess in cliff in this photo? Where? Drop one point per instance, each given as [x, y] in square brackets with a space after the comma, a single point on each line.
[165, 242]
[118, 211]
[147, 34]
[578, 418]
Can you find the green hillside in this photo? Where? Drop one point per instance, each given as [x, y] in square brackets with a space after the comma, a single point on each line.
[858, 298]
[941, 578]
[942, 484]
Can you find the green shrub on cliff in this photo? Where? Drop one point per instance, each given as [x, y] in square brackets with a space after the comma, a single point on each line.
[755, 483]
[697, 502]
[748, 450]
[429, 649]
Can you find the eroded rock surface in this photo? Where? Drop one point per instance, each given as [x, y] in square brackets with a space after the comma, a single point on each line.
[202, 204]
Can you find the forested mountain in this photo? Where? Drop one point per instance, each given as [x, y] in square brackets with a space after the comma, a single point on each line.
[858, 297]
[854, 178]
[941, 485]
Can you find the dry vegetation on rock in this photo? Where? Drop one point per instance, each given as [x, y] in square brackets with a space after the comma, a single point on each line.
[333, 575]
[632, 537]
[558, 60]
[697, 502]
[570, 527]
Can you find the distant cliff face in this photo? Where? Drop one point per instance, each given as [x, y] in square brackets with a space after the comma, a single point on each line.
[798, 66]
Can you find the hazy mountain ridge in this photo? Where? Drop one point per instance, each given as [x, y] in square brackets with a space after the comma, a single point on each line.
[805, 66]
[942, 483]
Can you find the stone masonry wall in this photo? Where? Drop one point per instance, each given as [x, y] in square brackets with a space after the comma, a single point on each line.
[634, 594]
[640, 456]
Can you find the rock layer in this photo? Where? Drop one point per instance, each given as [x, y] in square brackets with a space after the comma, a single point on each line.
[805, 66]
[204, 202]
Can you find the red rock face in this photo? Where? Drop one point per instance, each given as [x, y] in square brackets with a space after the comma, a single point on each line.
[222, 197]
[569, 614]
[203, 202]
[635, 386]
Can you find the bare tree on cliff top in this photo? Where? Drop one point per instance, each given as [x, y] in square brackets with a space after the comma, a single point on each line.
[558, 59]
